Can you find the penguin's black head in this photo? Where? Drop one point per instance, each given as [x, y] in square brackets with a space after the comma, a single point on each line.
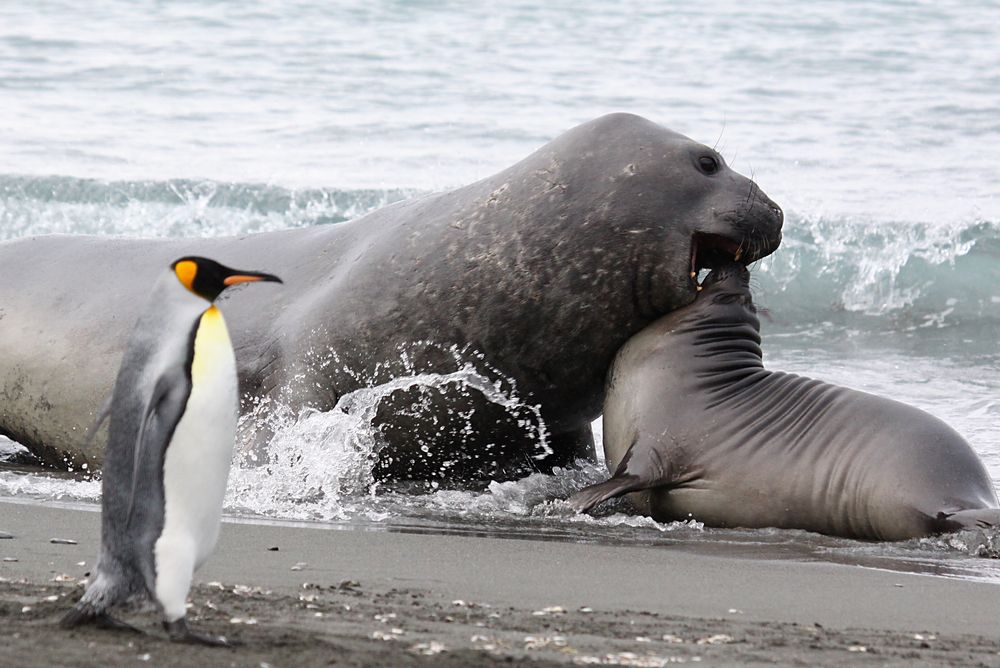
[207, 278]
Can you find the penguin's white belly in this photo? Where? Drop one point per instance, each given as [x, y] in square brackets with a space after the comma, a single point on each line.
[197, 460]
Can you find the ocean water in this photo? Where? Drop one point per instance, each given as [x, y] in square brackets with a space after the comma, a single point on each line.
[874, 124]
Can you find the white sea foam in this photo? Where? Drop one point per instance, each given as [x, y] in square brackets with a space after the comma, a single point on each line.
[174, 208]
[317, 465]
[9, 449]
[43, 487]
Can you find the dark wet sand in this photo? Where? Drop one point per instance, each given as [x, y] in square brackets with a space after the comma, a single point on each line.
[381, 598]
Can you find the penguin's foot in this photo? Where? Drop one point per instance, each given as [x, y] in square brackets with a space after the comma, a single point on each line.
[179, 632]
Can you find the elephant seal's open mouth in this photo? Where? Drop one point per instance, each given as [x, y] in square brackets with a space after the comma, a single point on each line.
[710, 251]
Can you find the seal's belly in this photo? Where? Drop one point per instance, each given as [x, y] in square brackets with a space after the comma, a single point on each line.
[748, 508]
[847, 474]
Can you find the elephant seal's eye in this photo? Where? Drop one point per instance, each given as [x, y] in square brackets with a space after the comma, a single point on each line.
[708, 164]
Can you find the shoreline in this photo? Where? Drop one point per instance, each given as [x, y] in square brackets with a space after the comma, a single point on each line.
[484, 599]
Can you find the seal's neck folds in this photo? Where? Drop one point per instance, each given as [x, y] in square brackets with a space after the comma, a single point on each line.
[723, 329]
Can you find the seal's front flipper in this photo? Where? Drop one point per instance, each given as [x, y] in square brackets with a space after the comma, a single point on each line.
[979, 518]
[179, 632]
[642, 467]
[588, 497]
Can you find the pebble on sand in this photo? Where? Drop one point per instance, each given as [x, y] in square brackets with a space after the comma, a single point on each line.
[62, 541]
[250, 621]
[550, 610]
[428, 648]
[5, 536]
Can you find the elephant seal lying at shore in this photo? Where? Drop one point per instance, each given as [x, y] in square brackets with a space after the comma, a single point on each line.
[534, 276]
[695, 427]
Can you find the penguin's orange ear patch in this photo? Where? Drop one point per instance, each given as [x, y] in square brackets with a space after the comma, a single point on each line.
[186, 271]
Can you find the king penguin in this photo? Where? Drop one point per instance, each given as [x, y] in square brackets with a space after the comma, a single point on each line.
[172, 427]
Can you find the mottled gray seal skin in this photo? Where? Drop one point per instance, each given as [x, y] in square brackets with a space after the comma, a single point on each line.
[541, 272]
[696, 427]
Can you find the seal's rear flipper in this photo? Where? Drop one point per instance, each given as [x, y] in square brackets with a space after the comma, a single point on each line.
[979, 518]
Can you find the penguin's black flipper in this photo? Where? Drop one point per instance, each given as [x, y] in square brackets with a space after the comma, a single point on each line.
[179, 632]
[163, 410]
[102, 415]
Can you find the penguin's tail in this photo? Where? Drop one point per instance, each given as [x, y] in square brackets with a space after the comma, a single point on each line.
[102, 594]
[99, 596]
[85, 612]
[82, 613]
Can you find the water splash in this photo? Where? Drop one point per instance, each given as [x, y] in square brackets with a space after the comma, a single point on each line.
[318, 465]
[503, 393]
[982, 543]
[10, 450]
[537, 501]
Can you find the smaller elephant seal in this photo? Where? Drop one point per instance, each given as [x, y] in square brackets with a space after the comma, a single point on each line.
[170, 442]
[696, 427]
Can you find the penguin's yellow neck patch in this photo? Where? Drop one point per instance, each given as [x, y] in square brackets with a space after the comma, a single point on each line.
[212, 316]
[186, 272]
[211, 345]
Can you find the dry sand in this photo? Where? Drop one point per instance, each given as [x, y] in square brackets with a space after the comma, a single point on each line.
[388, 598]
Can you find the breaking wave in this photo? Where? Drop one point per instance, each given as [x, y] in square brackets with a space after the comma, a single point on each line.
[889, 275]
[868, 273]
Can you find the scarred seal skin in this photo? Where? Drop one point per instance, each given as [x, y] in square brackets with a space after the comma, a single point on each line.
[535, 276]
[696, 427]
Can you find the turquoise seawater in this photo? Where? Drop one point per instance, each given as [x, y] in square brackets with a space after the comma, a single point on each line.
[876, 125]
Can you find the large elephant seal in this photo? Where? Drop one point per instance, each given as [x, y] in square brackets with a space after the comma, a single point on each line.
[695, 427]
[537, 275]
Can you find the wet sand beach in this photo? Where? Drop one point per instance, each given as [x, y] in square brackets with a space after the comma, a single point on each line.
[294, 595]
